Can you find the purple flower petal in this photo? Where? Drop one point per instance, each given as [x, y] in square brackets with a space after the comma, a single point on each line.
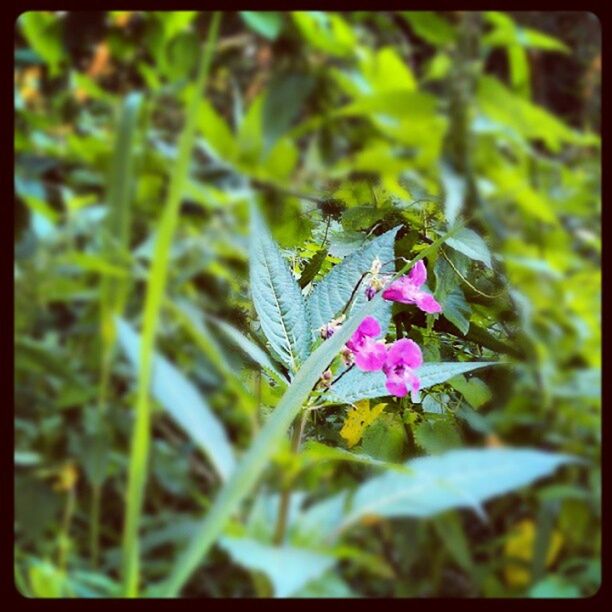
[427, 303]
[396, 386]
[404, 352]
[369, 327]
[371, 356]
[418, 274]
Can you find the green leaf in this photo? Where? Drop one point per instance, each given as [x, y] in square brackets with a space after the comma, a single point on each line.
[357, 385]
[312, 267]
[554, 587]
[437, 434]
[454, 192]
[431, 28]
[288, 568]
[386, 70]
[284, 99]
[183, 403]
[538, 40]
[399, 103]
[313, 451]
[42, 30]
[326, 31]
[513, 185]
[469, 243]
[266, 23]
[277, 297]
[385, 439]
[330, 295]
[529, 120]
[474, 390]
[456, 309]
[249, 348]
[452, 536]
[457, 479]
[216, 131]
[330, 585]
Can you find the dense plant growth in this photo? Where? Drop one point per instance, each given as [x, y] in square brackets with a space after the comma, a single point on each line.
[303, 303]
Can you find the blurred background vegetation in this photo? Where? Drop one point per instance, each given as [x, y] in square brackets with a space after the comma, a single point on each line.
[342, 125]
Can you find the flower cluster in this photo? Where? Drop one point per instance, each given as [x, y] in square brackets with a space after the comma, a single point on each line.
[399, 360]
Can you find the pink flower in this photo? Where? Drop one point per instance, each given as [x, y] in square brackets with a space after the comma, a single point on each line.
[369, 354]
[403, 357]
[407, 290]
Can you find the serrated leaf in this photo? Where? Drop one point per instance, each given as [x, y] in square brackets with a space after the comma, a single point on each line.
[358, 418]
[277, 298]
[436, 435]
[469, 243]
[183, 403]
[288, 568]
[385, 439]
[330, 295]
[357, 385]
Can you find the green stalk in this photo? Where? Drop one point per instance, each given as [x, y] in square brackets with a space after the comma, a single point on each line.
[283, 507]
[255, 459]
[155, 292]
[113, 291]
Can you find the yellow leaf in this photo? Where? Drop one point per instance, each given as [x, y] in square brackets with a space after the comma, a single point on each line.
[66, 478]
[519, 545]
[359, 417]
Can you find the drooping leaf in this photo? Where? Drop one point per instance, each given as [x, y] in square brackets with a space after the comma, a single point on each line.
[183, 403]
[288, 568]
[456, 309]
[457, 479]
[469, 243]
[277, 298]
[249, 348]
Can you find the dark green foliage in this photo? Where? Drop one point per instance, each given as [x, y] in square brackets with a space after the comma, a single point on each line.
[341, 127]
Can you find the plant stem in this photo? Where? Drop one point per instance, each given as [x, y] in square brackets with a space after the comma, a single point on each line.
[283, 508]
[155, 290]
